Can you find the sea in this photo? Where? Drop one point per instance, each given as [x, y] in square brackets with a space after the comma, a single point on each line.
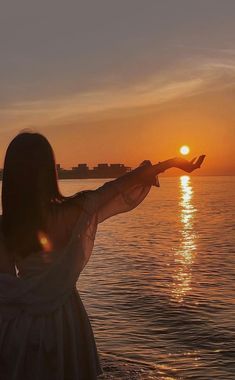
[159, 288]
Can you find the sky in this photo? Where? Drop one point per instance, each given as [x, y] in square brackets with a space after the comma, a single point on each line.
[120, 81]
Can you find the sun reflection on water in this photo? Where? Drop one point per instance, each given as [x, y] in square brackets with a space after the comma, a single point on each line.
[185, 254]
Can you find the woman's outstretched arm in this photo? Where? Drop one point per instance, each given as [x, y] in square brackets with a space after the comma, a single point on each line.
[147, 173]
[180, 163]
[129, 190]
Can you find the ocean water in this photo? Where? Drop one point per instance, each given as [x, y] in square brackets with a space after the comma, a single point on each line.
[160, 286]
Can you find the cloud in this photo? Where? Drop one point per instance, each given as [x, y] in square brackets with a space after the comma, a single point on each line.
[186, 79]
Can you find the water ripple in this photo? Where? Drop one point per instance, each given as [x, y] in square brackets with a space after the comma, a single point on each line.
[160, 287]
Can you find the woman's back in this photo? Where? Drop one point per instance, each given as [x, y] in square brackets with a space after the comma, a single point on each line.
[61, 218]
[44, 329]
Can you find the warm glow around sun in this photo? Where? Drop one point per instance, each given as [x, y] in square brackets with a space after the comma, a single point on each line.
[184, 150]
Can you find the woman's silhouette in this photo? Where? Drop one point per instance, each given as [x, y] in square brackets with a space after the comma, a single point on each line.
[46, 240]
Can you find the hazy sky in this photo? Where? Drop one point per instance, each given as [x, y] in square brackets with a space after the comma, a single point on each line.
[120, 80]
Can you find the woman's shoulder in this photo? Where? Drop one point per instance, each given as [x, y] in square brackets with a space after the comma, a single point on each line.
[69, 206]
[74, 204]
[62, 218]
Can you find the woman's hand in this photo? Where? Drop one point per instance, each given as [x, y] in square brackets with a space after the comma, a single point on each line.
[147, 171]
[188, 166]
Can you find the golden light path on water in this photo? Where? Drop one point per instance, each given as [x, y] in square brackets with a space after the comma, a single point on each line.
[185, 254]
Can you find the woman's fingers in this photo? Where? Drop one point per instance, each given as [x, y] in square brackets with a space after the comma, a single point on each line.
[200, 160]
[193, 160]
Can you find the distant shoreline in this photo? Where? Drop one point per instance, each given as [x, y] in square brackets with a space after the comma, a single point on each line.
[105, 171]
[162, 176]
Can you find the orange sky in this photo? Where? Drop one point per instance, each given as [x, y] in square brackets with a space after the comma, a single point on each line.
[101, 93]
[204, 121]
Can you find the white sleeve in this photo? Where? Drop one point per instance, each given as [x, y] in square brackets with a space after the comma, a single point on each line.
[120, 195]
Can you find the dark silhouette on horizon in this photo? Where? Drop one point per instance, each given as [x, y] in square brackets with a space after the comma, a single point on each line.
[102, 170]
[82, 171]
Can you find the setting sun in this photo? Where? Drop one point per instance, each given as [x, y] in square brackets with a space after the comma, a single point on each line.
[184, 150]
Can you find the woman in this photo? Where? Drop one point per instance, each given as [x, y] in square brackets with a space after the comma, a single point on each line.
[46, 240]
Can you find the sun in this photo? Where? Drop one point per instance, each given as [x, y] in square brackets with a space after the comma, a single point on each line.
[184, 150]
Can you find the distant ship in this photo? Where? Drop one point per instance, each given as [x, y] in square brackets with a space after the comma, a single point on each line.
[82, 171]
[102, 170]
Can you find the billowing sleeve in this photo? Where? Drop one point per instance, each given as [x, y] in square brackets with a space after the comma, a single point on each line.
[122, 194]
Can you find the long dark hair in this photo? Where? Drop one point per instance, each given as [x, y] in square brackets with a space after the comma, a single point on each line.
[29, 188]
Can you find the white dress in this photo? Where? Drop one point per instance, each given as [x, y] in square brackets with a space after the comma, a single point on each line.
[45, 333]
